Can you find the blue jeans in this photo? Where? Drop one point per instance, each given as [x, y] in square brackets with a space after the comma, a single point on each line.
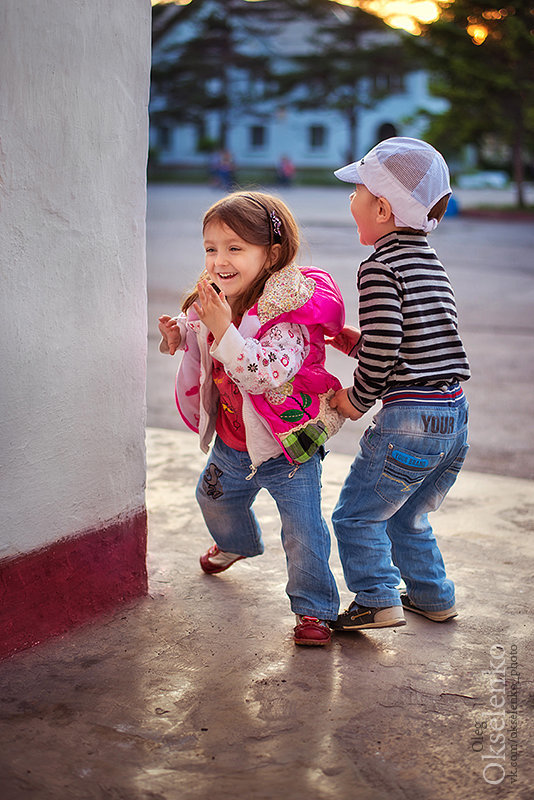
[225, 498]
[408, 460]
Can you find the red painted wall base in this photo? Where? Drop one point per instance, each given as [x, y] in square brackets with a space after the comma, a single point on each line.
[46, 592]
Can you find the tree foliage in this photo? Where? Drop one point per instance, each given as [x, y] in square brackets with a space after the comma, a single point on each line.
[195, 74]
[225, 60]
[347, 67]
[489, 85]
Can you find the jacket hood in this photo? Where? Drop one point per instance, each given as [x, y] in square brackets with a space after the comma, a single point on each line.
[309, 294]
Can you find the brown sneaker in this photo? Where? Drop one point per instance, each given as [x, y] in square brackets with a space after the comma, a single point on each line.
[311, 631]
[358, 618]
[435, 616]
[215, 560]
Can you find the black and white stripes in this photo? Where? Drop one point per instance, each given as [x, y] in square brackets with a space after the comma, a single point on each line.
[408, 321]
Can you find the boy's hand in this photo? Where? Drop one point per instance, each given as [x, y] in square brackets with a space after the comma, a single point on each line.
[341, 402]
[170, 332]
[346, 339]
[213, 309]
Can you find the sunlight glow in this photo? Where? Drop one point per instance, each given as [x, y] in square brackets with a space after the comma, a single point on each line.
[404, 22]
[494, 14]
[478, 33]
[405, 14]
[168, 2]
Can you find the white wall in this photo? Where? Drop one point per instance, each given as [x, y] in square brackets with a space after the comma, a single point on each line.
[73, 143]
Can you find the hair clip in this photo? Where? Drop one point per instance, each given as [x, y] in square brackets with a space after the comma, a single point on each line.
[276, 224]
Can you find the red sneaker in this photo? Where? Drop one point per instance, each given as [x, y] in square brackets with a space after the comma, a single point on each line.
[311, 630]
[215, 560]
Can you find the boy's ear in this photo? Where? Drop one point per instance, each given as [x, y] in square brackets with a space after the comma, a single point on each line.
[383, 212]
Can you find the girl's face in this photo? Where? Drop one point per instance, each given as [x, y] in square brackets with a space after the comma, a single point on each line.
[231, 263]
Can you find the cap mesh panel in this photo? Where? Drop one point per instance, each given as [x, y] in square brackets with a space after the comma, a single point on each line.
[409, 168]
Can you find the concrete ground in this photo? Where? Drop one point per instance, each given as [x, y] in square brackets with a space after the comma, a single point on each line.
[198, 692]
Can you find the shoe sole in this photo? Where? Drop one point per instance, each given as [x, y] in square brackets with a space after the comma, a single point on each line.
[215, 570]
[311, 644]
[430, 614]
[369, 625]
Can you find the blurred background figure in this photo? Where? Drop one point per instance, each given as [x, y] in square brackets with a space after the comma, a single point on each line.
[223, 170]
[285, 171]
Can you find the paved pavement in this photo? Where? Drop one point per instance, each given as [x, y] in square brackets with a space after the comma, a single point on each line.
[198, 692]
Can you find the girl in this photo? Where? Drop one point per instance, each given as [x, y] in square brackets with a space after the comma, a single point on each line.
[253, 373]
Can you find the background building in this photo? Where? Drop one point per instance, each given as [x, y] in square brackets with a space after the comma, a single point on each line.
[264, 81]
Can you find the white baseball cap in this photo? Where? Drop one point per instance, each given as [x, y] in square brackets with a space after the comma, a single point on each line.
[409, 173]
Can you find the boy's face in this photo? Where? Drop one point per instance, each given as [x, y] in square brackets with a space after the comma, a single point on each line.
[364, 207]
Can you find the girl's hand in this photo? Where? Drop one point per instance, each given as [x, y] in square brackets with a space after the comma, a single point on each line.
[170, 332]
[346, 340]
[340, 400]
[213, 309]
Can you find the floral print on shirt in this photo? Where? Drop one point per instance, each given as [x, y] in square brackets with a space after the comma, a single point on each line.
[271, 362]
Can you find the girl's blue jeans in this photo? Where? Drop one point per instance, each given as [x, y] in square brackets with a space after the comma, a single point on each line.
[225, 498]
[408, 460]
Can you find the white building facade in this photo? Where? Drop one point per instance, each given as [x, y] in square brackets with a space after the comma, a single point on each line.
[259, 134]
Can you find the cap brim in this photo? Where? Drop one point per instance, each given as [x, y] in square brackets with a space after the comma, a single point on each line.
[349, 174]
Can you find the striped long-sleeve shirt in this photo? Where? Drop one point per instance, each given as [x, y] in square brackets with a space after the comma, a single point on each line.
[408, 321]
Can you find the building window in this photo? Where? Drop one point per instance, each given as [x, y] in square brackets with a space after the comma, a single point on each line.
[396, 83]
[204, 142]
[164, 137]
[317, 136]
[390, 83]
[257, 136]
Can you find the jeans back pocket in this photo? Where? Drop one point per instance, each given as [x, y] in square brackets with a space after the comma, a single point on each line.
[403, 472]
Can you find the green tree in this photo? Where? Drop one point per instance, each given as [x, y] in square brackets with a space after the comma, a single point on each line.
[481, 56]
[215, 55]
[351, 61]
[205, 68]
[165, 16]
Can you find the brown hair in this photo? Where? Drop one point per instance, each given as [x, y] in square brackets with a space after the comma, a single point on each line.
[436, 212]
[248, 214]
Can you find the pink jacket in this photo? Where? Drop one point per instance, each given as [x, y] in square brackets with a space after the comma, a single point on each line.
[276, 358]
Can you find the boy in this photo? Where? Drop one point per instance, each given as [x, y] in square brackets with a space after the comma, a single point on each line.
[410, 357]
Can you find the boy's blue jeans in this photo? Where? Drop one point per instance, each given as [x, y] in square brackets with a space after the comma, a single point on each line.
[409, 458]
[225, 498]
